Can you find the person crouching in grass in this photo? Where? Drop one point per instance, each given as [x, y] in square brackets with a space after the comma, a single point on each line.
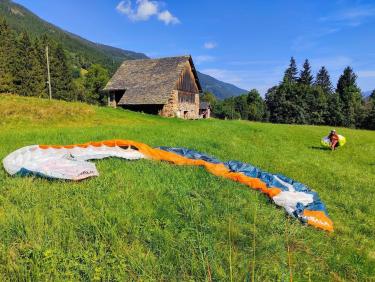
[334, 139]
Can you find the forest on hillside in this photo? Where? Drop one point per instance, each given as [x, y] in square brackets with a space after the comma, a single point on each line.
[23, 69]
[302, 99]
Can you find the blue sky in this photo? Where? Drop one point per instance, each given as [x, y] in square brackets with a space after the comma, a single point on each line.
[247, 43]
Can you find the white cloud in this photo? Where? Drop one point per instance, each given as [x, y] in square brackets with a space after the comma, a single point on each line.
[144, 10]
[124, 7]
[168, 18]
[209, 45]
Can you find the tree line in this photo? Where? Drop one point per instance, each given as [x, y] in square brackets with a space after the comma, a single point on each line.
[301, 98]
[23, 69]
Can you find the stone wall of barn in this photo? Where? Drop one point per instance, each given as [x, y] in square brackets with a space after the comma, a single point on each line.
[182, 104]
[188, 105]
[171, 108]
[184, 100]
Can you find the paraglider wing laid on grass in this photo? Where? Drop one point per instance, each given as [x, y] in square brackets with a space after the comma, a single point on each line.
[71, 163]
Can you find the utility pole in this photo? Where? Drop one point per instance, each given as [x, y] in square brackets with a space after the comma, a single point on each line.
[49, 75]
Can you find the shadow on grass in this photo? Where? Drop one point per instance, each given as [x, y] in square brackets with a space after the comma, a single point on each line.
[320, 148]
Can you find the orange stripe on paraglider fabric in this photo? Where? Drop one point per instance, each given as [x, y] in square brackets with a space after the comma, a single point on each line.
[109, 143]
[81, 145]
[96, 144]
[318, 219]
[69, 146]
[56, 147]
[216, 169]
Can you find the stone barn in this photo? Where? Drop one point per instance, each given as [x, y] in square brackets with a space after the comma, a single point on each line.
[168, 87]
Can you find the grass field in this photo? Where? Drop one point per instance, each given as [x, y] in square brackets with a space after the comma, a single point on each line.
[144, 220]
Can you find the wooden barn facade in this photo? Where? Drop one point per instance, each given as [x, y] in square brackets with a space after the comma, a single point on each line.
[168, 86]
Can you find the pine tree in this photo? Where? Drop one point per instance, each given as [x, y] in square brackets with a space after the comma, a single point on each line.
[323, 80]
[317, 105]
[61, 79]
[7, 54]
[290, 98]
[40, 70]
[335, 114]
[23, 66]
[291, 72]
[347, 79]
[27, 68]
[351, 98]
[306, 77]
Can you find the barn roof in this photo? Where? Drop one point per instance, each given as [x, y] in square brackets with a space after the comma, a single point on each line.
[149, 81]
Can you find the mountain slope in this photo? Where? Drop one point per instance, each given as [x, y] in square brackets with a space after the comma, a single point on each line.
[221, 89]
[22, 19]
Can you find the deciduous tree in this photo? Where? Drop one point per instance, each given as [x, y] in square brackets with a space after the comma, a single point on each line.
[256, 106]
[95, 80]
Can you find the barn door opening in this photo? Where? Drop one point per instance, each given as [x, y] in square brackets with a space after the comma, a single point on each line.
[118, 95]
[114, 97]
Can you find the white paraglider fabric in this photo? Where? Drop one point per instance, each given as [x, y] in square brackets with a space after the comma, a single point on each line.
[289, 200]
[63, 163]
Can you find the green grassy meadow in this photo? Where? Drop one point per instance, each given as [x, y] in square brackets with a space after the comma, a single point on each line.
[146, 221]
